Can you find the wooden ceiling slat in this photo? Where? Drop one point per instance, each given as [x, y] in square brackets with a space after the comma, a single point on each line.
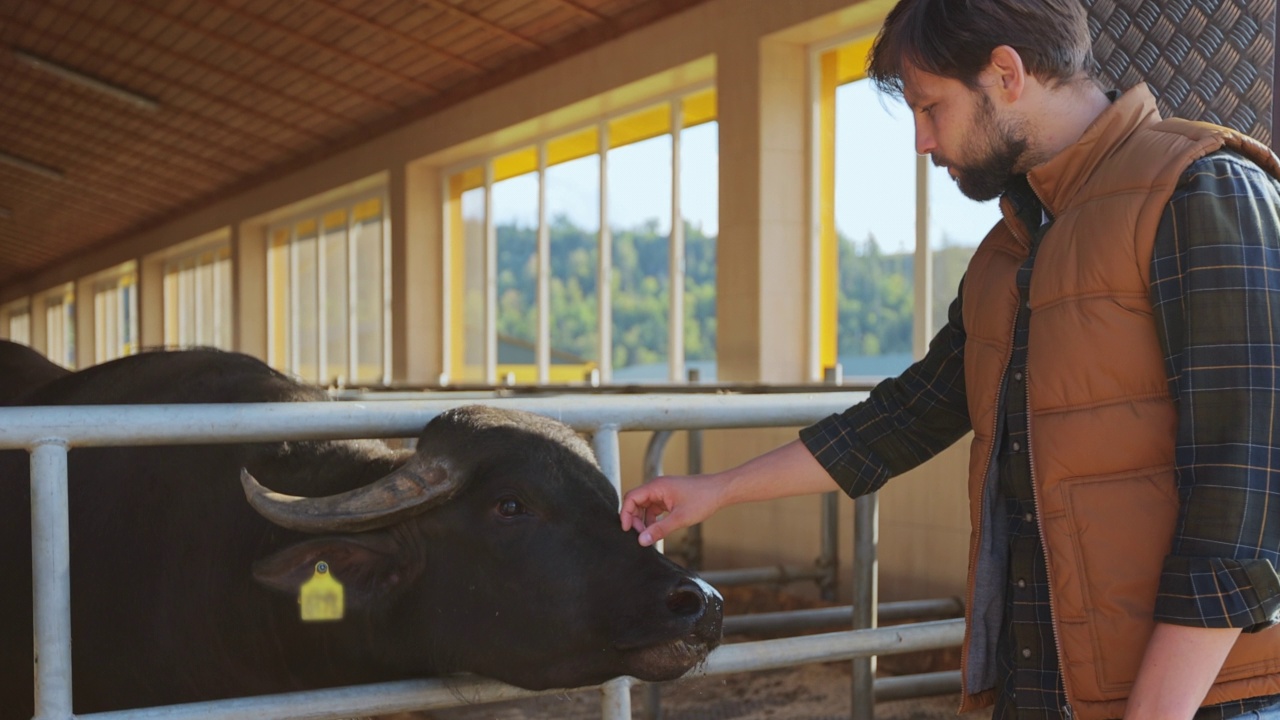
[403, 37]
[101, 60]
[582, 10]
[329, 49]
[68, 112]
[250, 80]
[212, 119]
[489, 25]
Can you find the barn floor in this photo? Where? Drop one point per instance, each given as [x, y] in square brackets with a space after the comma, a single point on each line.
[813, 692]
[810, 692]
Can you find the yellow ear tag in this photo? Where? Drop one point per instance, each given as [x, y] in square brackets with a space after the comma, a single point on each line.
[321, 596]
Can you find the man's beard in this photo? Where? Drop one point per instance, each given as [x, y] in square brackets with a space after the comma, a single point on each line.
[1002, 146]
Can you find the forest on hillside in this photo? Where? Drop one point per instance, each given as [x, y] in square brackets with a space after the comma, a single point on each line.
[876, 299]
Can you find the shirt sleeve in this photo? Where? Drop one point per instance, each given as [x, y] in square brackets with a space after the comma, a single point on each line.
[1215, 290]
[905, 421]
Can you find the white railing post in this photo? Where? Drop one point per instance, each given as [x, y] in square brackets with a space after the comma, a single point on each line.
[51, 578]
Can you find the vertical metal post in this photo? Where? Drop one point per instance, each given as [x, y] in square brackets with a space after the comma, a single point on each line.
[866, 532]
[605, 444]
[51, 578]
[828, 561]
[615, 702]
[693, 536]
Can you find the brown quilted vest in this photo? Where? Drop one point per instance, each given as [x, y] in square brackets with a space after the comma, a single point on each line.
[1102, 421]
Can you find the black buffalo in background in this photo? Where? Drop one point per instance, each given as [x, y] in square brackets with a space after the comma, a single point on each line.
[493, 548]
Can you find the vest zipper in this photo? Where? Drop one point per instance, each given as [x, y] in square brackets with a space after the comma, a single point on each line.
[1035, 496]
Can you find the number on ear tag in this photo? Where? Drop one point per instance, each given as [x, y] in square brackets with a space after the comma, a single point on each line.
[321, 597]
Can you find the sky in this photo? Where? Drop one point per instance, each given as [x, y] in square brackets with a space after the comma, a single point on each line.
[875, 182]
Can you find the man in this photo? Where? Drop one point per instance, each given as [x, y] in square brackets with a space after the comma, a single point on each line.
[1114, 350]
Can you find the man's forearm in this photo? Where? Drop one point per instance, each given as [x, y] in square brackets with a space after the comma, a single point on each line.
[1177, 670]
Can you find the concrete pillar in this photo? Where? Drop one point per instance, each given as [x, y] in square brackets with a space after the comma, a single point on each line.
[763, 247]
[417, 297]
[249, 289]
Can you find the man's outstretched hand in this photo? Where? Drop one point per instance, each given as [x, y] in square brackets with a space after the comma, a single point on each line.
[669, 503]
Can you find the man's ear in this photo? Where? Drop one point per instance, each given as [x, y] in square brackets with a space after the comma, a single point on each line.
[1007, 75]
[370, 566]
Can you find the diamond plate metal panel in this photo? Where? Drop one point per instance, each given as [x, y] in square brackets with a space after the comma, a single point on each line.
[1211, 60]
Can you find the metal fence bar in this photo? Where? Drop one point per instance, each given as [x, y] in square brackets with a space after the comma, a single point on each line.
[50, 431]
[840, 615]
[440, 693]
[615, 700]
[51, 568]
[267, 422]
[866, 527]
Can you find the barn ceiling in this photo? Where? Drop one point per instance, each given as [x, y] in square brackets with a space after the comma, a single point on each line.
[116, 116]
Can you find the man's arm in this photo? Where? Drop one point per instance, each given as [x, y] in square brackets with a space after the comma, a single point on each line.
[1215, 290]
[906, 421]
[1177, 670]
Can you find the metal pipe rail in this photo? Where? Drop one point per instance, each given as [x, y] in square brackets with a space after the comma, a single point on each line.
[840, 615]
[440, 693]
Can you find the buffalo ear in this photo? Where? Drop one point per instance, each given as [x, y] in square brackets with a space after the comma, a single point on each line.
[370, 566]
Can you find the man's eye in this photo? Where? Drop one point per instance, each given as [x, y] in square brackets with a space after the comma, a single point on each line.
[510, 507]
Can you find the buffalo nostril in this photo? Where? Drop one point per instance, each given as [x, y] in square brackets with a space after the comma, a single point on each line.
[686, 599]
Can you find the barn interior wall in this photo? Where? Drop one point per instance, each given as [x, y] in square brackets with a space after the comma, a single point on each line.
[759, 54]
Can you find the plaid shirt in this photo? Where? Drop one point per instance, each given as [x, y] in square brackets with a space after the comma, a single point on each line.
[1215, 289]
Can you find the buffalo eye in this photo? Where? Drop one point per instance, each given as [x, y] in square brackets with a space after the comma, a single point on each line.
[509, 507]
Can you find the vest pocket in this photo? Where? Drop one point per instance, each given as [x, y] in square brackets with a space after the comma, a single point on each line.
[1106, 550]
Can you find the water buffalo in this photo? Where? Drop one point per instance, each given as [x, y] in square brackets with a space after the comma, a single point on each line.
[493, 548]
[23, 370]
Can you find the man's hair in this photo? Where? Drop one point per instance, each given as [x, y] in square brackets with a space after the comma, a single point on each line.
[954, 39]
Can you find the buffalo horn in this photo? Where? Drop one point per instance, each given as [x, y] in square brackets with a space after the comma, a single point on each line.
[410, 489]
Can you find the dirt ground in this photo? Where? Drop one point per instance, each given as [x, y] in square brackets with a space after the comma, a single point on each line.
[809, 692]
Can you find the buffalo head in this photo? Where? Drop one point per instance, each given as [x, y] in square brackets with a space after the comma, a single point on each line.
[494, 548]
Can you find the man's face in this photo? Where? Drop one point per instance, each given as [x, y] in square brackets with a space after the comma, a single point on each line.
[962, 130]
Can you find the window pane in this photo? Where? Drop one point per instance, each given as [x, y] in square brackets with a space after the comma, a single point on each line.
[956, 226]
[515, 213]
[366, 236]
[222, 300]
[875, 190]
[306, 311]
[204, 300]
[334, 297]
[573, 212]
[640, 222]
[20, 326]
[699, 203]
[469, 293]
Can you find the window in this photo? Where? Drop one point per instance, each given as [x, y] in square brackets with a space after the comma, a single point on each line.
[562, 252]
[115, 315]
[17, 319]
[895, 234]
[197, 299]
[328, 294]
[60, 327]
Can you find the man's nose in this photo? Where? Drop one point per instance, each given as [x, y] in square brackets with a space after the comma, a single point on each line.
[925, 142]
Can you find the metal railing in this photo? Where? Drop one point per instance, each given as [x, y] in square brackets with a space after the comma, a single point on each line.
[49, 432]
